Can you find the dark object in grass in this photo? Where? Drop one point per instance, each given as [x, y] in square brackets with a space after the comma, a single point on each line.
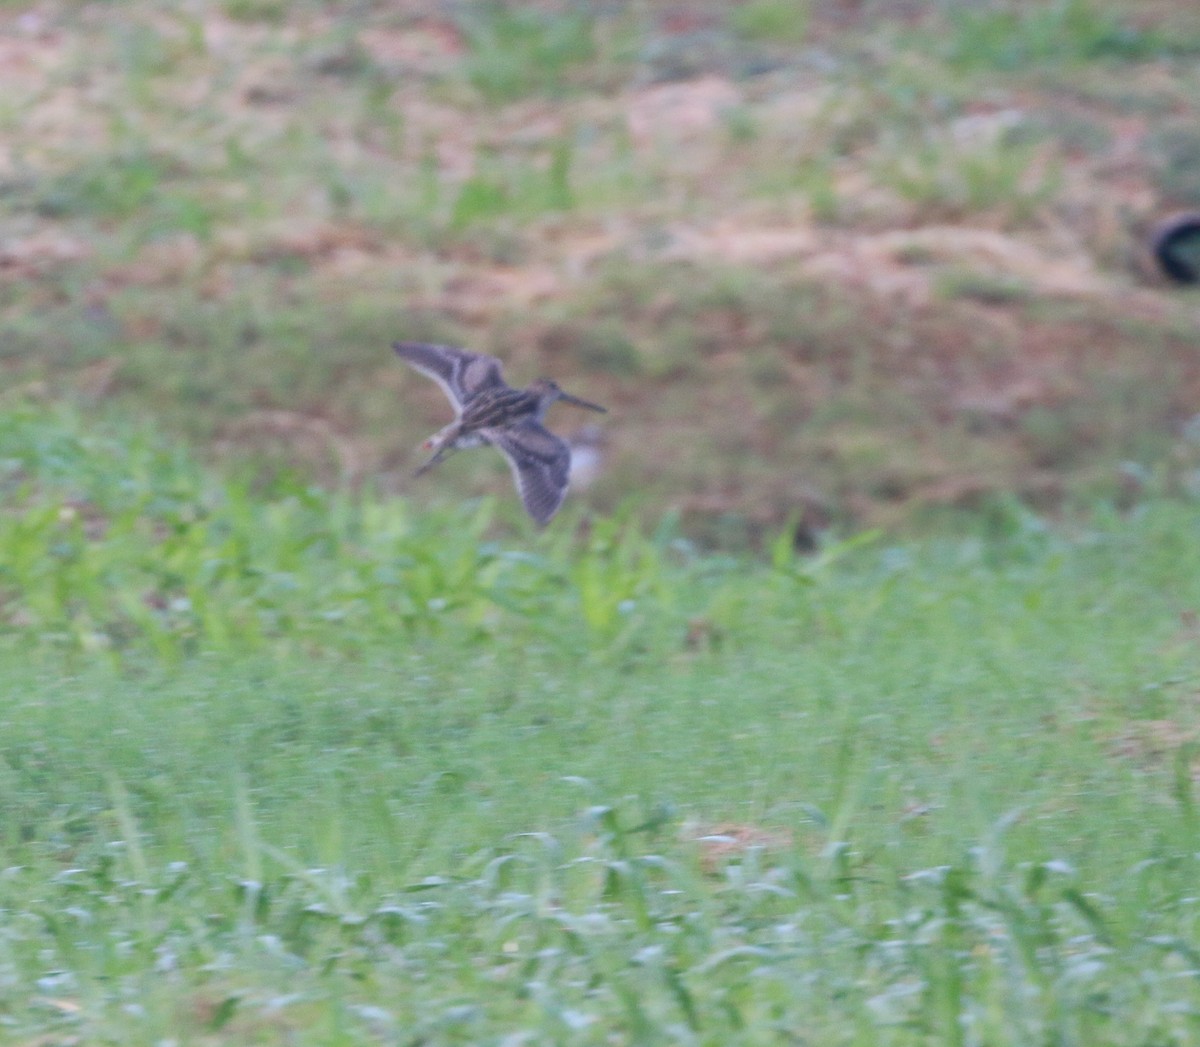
[490, 412]
[1175, 244]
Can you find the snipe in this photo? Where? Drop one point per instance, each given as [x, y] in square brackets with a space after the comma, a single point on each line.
[489, 411]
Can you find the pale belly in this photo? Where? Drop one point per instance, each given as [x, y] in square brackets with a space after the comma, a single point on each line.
[449, 437]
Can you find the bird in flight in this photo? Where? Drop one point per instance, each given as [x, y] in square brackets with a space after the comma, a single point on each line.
[489, 411]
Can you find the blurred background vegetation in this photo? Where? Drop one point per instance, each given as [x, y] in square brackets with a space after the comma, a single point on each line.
[295, 750]
[846, 262]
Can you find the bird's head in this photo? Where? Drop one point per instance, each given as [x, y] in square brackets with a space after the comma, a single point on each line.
[549, 390]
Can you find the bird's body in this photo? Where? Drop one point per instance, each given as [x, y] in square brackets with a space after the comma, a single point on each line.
[491, 412]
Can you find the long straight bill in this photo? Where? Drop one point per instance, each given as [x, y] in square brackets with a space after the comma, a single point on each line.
[582, 403]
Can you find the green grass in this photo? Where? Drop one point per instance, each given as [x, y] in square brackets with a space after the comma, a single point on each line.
[778, 21]
[1010, 36]
[514, 51]
[289, 767]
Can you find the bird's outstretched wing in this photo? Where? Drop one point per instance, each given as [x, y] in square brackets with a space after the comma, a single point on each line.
[462, 375]
[540, 462]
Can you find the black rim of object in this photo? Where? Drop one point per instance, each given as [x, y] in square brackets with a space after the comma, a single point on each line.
[1165, 245]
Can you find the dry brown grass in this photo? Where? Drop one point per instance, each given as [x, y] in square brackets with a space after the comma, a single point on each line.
[867, 278]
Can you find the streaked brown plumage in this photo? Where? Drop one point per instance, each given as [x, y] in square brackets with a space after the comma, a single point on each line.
[489, 411]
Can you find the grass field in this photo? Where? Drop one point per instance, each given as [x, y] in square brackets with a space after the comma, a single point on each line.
[295, 768]
[855, 704]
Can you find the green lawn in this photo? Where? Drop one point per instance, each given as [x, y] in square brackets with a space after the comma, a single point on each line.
[424, 779]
